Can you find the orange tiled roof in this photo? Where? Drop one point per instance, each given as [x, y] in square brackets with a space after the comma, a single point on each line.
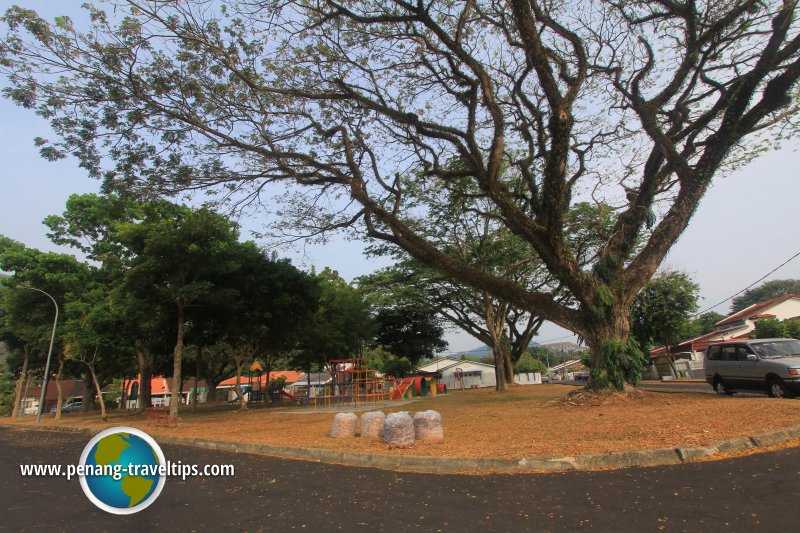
[756, 309]
[289, 375]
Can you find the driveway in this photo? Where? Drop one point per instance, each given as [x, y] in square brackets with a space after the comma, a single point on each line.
[267, 494]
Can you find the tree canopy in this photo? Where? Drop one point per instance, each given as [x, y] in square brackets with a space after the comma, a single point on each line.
[638, 104]
[661, 312]
[765, 291]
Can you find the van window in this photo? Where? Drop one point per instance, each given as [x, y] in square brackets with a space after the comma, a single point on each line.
[742, 353]
[713, 353]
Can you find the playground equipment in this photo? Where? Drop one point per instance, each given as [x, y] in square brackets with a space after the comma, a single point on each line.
[352, 383]
[414, 387]
[254, 391]
[459, 384]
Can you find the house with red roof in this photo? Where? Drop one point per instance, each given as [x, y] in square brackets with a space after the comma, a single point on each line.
[688, 355]
[71, 389]
[161, 392]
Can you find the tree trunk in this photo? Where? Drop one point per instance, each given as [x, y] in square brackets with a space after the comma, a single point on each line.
[60, 399]
[88, 399]
[508, 365]
[103, 414]
[175, 397]
[198, 364]
[495, 323]
[28, 379]
[239, 361]
[16, 412]
[145, 360]
[617, 361]
[499, 371]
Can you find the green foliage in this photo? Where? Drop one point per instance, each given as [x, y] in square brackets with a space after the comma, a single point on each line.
[270, 301]
[339, 327]
[152, 104]
[705, 323]
[765, 291]
[527, 363]
[793, 328]
[277, 384]
[622, 362]
[770, 328]
[605, 296]
[661, 311]
[378, 358]
[411, 333]
[6, 393]
[397, 367]
[27, 315]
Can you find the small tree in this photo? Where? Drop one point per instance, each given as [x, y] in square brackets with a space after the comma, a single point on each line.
[410, 333]
[527, 364]
[661, 311]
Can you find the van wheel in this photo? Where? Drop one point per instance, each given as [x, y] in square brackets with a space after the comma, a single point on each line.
[777, 389]
[721, 389]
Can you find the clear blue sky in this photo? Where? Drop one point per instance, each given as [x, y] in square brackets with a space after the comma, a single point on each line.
[746, 225]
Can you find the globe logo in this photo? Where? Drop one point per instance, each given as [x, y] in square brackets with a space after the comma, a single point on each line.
[124, 470]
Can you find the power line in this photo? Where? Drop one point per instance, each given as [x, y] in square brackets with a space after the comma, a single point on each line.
[749, 286]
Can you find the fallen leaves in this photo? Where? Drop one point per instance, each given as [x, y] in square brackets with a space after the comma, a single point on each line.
[526, 421]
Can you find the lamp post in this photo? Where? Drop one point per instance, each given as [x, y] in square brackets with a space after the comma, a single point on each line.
[49, 353]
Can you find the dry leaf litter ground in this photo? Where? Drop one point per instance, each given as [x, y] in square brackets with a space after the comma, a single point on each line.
[525, 421]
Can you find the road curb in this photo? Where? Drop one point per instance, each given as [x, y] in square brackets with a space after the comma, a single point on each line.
[451, 465]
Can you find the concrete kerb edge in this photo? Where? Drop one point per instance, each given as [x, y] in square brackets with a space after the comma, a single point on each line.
[443, 465]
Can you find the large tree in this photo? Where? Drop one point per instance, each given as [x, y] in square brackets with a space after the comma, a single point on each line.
[181, 257]
[636, 103]
[91, 223]
[465, 228]
[275, 302]
[26, 321]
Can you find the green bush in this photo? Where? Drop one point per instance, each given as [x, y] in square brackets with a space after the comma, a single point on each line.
[6, 394]
[527, 364]
[771, 328]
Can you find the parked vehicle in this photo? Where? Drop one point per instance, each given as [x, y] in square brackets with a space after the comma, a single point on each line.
[69, 407]
[769, 365]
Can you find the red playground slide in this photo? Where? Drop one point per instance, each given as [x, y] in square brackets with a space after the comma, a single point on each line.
[288, 395]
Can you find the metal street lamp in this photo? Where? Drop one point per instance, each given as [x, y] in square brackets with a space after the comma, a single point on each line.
[49, 353]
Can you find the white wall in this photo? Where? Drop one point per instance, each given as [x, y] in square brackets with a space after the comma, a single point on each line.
[786, 310]
[531, 378]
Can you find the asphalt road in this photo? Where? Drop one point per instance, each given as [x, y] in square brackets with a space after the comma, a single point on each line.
[756, 493]
[695, 387]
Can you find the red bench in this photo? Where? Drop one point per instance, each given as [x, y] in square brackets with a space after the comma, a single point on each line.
[159, 416]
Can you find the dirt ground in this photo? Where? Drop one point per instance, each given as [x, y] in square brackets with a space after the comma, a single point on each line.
[523, 422]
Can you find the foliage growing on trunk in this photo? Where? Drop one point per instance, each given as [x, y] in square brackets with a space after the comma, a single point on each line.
[622, 362]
